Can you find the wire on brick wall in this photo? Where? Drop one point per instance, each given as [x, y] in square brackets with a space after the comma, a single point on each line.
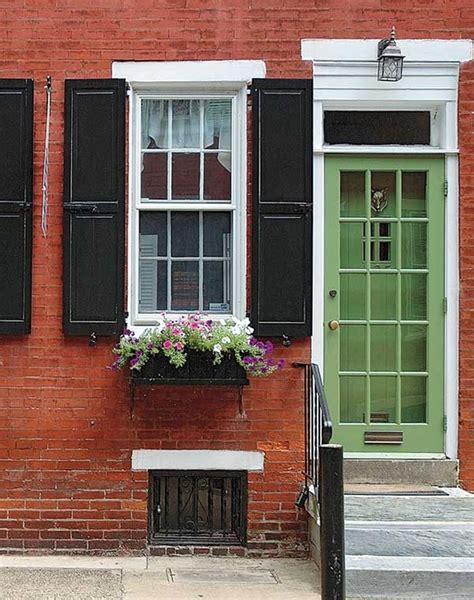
[44, 206]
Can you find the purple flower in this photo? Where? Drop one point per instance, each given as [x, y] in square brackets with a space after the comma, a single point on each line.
[268, 347]
[128, 332]
[150, 345]
[280, 363]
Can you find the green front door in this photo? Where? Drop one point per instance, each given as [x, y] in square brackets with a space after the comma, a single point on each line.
[384, 302]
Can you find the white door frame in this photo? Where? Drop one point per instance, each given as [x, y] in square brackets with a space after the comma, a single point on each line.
[345, 77]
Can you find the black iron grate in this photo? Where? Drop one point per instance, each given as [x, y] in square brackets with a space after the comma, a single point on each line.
[198, 507]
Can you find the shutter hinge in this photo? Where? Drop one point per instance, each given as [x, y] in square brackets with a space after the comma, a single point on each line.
[446, 188]
[445, 423]
[445, 305]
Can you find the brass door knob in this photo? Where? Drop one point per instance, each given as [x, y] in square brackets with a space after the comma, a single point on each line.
[333, 325]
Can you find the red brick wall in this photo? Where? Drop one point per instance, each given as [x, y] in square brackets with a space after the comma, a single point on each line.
[66, 433]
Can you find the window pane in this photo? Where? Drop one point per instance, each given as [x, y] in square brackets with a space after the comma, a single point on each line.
[154, 176]
[352, 394]
[153, 234]
[414, 194]
[185, 234]
[184, 285]
[154, 124]
[185, 176]
[153, 286]
[377, 127]
[217, 284]
[186, 124]
[217, 124]
[352, 194]
[217, 240]
[217, 177]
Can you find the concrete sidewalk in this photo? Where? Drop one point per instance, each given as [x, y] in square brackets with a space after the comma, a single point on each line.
[163, 578]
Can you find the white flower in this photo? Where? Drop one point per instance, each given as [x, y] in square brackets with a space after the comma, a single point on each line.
[217, 348]
[249, 330]
[225, 340]
[245, 322]
[236, 330]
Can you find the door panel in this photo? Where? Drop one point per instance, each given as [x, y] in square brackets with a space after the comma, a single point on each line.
[384, 248]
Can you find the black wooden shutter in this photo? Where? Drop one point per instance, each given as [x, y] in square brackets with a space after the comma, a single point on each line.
[94, 206]
[282, 207]
[16, 195]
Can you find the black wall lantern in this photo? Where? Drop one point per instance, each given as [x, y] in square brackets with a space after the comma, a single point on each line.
[390, 59]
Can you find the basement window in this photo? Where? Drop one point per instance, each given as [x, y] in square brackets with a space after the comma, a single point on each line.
[377, 127]
[198, 508]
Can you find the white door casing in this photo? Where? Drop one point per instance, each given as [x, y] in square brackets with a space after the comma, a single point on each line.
[345, 78]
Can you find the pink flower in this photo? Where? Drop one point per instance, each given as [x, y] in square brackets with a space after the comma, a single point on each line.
[195, 325]
[176, 331]
[179, 345]
[167, 344]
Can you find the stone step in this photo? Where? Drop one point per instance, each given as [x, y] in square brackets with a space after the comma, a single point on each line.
[454, 508]
[409, 577]
[440, 472]
[410, 539]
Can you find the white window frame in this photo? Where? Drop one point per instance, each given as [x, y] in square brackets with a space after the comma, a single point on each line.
[345, 78]
[203, 79]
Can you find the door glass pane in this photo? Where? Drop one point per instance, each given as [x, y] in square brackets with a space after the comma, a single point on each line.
[184, 285]
[353, 296]
[413, 296]
[383, 348]
[185, 234]
[352, 246]
[413, 347]
[413, 399]
[414, 194]
[383, 197]
[352, 194]
[383, 399]
[185, 176]
[154, 176]
[154, 124]
[383, 296]
[352, 347]
[352, 394]
[383, 248]
[413, 245]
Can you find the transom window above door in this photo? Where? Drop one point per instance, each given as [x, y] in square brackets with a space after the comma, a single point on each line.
[187, 212]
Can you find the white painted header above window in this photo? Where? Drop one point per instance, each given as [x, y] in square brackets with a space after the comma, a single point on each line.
[440, 51]
[237, 72]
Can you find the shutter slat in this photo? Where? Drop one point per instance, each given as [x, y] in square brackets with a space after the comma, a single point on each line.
[16, 195]
[282, 203]
[94, 206]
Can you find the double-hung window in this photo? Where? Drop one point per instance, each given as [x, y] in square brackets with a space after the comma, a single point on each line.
[186, 222]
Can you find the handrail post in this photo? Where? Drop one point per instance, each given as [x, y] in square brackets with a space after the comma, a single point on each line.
[331, 491]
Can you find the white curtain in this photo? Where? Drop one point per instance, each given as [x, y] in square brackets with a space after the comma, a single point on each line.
[186, 125]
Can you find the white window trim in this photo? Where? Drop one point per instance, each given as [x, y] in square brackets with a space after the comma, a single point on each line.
[203, 78]
[345, 76]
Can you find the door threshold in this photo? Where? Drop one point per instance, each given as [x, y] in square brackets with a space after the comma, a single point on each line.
[396, 455]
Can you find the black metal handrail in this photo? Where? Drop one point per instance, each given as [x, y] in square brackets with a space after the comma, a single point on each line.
[324, 470]
[318, 424]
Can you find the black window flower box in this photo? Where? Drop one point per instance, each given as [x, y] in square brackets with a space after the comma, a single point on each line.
[198, 370]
